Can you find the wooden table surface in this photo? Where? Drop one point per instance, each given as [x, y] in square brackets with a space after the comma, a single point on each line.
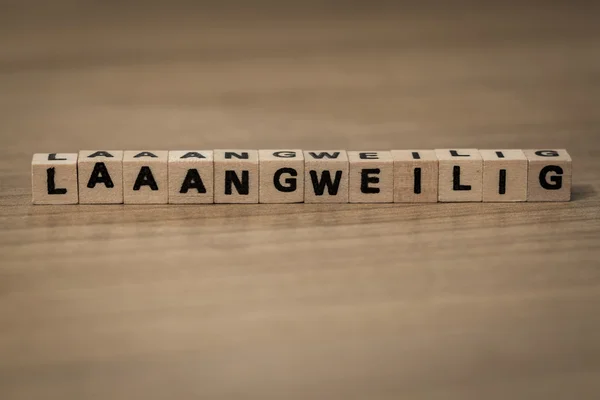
[442, 301]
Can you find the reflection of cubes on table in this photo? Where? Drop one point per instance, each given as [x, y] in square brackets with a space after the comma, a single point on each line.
[54, 178]
[145, 179]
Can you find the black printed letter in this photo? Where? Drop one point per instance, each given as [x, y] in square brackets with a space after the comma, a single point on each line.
[231, 154]
[100, 154]
[454, 153]
[556, 180]
[145, 154]
[242, 187]
[285, 154]
[547, 153]
[502, 182]
[191, 154]
[291, 182]
[324, 155]
[456, 180]
[319, 187]
[417, 188]
[52, 156]
[192, 180]
[51, 185]
[365, 179]
[145, 178]
[368, 156]
[100, 175]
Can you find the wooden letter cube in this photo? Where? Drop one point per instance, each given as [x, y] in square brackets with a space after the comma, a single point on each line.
[236, 176]
[191, 177]
[415, 176]
[549, 176]
[145, 177]
[461, 175]
[100, 177]
[371, 177]
[281, 176]
[504, 175]
[326, 176]
[54, 178]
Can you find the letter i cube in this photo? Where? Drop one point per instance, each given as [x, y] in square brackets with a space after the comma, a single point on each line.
[415, 176]
[504, 175]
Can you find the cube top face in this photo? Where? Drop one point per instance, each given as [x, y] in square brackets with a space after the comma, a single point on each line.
[502, 155]
[318, 156]
[369, 156]
[280, 155]
[457, 154]
[236, 156]
[54, 158]
[191, 156]
[547, 155]
[100, 155]
[145, 156]
[414, 155]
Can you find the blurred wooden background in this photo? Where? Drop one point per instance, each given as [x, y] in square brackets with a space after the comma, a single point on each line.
[444, 301]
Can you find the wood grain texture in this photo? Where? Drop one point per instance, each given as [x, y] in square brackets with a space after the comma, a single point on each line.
[297, 301]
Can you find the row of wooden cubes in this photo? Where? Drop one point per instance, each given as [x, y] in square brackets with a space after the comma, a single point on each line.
[295, 176]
